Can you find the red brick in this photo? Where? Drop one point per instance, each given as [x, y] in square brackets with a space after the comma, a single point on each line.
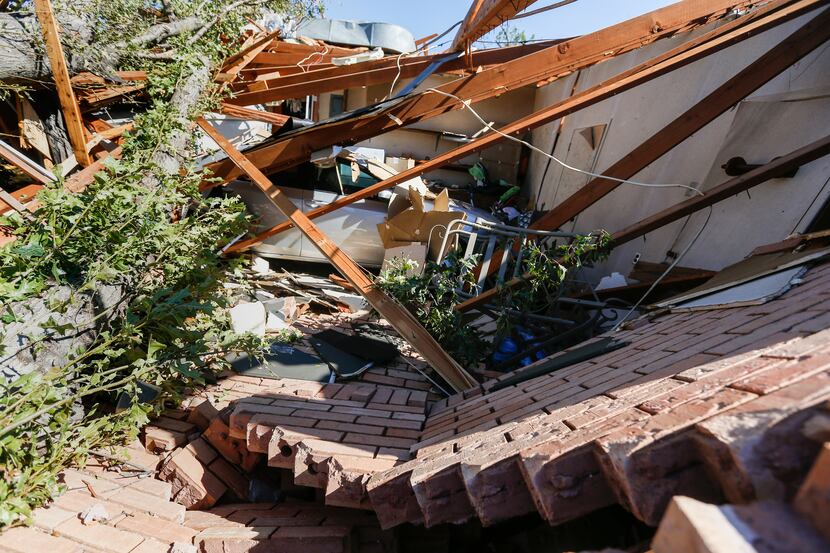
[783, 374]
[193, 485]
[154, 527]
[384, 441]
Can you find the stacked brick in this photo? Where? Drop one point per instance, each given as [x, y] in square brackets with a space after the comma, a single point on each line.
[288, 526]
[706, 403]
[136, 515]
[766, 527]
[204, 463]
[332, 436]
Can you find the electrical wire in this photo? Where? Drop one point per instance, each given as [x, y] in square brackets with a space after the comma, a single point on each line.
[395, 80]
[667, 271]
[466, 104]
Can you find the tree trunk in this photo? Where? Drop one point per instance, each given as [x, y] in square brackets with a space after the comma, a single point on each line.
[24, 345]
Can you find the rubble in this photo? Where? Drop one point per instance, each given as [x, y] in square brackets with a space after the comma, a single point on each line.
[672, 392]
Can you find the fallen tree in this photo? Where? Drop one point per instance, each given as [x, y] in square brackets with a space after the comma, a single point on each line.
[119, 286]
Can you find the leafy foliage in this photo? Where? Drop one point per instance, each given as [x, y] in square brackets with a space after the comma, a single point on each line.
[431, 296]
[156, 245]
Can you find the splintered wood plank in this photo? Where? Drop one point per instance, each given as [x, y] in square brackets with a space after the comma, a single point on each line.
[403, 321]
[60, 73]
[247, 114]
[242, 59]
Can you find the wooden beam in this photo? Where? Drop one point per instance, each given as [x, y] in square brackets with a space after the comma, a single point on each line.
[69, 105]
[240, 60]
[488, 15]
[680, 56]
[747, 81]
[803, 41]
[370, 73]
[773, 169]
[466, 24]
[246, 114]
[569, 56]
[83, 178]
[403, 321]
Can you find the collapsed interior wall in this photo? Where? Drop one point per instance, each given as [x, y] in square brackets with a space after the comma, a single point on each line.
[423, 140]
[764, 126]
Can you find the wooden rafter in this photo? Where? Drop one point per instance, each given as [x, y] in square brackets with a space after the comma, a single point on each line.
[774, 169]
[60, 73]
[403, 321]
[486, 16]
[370, 73]
[571, 55]
[680, 56]
[235, 64]
[750, 79]
[246, 114]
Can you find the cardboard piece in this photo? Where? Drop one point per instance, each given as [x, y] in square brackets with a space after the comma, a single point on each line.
[415, 224]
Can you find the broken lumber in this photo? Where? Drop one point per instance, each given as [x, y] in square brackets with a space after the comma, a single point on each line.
[26, 165]
[693, 50]
[487, 15]
[401, 319]
[60, 73]
[569, 56]
[247, 114]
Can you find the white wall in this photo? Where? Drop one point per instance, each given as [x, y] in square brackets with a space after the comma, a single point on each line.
[764, 128]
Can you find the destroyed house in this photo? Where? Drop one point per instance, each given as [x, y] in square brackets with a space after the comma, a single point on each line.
[628, 232]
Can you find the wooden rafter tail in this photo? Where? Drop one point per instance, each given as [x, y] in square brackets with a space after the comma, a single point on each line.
[69, 104]
[680, 56]
[572, 55]
[403, 321]
[486, 16]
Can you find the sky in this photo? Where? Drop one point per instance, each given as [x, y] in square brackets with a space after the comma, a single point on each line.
[424, 17]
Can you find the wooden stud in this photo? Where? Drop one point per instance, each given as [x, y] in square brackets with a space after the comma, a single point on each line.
[60, 73]
[403, 321]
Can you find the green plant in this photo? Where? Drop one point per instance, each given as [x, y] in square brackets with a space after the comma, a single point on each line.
[431, 296]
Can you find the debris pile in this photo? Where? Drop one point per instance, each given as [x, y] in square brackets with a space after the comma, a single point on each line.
[272, 282]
